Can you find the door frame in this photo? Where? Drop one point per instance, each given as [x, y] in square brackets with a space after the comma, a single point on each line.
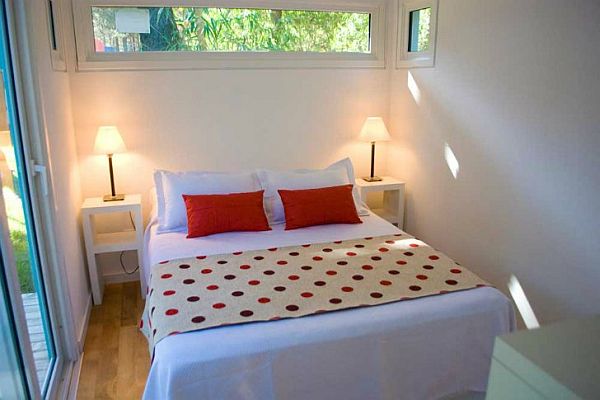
[33, 135]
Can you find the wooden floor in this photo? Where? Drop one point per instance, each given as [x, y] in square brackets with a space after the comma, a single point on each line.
[115, 359]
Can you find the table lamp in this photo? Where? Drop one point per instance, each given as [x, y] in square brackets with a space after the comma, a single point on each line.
[374, 130]
[109, 142]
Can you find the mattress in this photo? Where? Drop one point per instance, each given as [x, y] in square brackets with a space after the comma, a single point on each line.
[426, 348]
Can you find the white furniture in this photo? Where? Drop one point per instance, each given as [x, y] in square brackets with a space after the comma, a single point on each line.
[109, 242]
[392, 209]
[559, 361]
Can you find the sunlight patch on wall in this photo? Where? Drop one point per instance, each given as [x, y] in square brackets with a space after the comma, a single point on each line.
[518, 295]
[451, 161]
[414, 88]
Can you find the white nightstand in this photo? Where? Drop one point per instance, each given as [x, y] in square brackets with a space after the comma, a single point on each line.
[97, 243]
[392, 209]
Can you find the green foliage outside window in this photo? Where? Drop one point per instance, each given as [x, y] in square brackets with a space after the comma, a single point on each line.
[236, 30]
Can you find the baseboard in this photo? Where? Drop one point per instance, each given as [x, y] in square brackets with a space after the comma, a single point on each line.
[84, 326]
[121, 278]
[74, 383]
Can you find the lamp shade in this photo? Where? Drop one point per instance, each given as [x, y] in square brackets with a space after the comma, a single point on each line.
[109, 141]
[374, 130]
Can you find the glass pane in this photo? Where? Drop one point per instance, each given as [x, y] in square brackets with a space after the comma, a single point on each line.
[122, 29]
[418, 31]
[22, 238]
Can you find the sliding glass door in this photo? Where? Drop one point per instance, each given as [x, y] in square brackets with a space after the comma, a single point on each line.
[27, 337]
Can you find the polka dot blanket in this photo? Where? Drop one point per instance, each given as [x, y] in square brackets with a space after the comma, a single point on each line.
[265, 285]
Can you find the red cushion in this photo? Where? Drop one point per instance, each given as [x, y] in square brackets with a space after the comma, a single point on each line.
[215, 213]
[329, 205]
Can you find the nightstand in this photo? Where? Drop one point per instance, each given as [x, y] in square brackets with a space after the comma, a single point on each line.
[392, 208]
[110, 242]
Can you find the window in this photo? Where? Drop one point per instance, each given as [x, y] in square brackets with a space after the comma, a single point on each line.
[416, 33]
[258, 34]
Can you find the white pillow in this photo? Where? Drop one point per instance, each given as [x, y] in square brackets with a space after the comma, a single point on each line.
[171, 186]
[339, 173]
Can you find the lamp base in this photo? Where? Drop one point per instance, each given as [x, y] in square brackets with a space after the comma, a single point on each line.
[372, 179]
[117, 197]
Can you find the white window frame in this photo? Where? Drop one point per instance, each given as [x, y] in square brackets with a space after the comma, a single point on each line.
[411, 59]
[89, 59]
[54, 17]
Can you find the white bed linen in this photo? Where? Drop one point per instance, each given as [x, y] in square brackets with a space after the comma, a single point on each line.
[420, 349]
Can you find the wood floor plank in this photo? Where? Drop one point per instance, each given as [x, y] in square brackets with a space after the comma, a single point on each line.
[116, 359]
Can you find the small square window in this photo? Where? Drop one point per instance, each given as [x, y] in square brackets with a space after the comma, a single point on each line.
[416, 33]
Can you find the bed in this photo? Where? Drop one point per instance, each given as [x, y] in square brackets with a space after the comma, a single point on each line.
[426, 348]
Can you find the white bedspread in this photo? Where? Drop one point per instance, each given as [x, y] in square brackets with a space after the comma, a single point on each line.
[419, 349]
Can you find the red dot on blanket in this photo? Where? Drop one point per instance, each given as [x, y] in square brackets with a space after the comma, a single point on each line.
[199, 319]
[212, 287]
[184, 266]
[401, 262]
[245, 266]
[368, 238]
[229, 277]
[443, 292]
[238, 253]
[306, 267]
[385, 283]
[376, 295]
[383, 249]
[168, 293]
[221, 262]
[409, 254]
[264, 300]
[269, 272]
[358, 277]
[246, 313]
[293, 277]
[193, 299]
[201, 257]
[338, 242]
[376, 258]
[359, 246]
[393, 272]
[164, 262]
[327, 250]
[188, 281]
[331, 273]
[279, 288]
[367, 267]
[282, 262]
[166, 276]
[294, 254]
[258, 258]
[172, 311]
[273, 249]
[320, 283]
[415, 288]
[451, 282]
[335, 301]
[306, 295]
[390, 241]
[219, 305]
[306, 245]
[422, 277]
[206, 271]
[254, 282]
[455, 271]
[434, 258]
[237, 293]
[342, 263]
[427, 266]
[413, 245]
[398, 234]
[292, 307]
[347, 289]
[350, 254]
[317, 258]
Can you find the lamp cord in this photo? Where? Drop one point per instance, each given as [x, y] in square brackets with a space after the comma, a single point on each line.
[122, 253]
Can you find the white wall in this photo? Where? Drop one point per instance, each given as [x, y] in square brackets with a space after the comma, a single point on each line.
[516, 94]
[54, 92]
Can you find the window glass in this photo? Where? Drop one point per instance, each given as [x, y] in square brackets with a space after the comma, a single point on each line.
[202, 29]
[419, 30]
